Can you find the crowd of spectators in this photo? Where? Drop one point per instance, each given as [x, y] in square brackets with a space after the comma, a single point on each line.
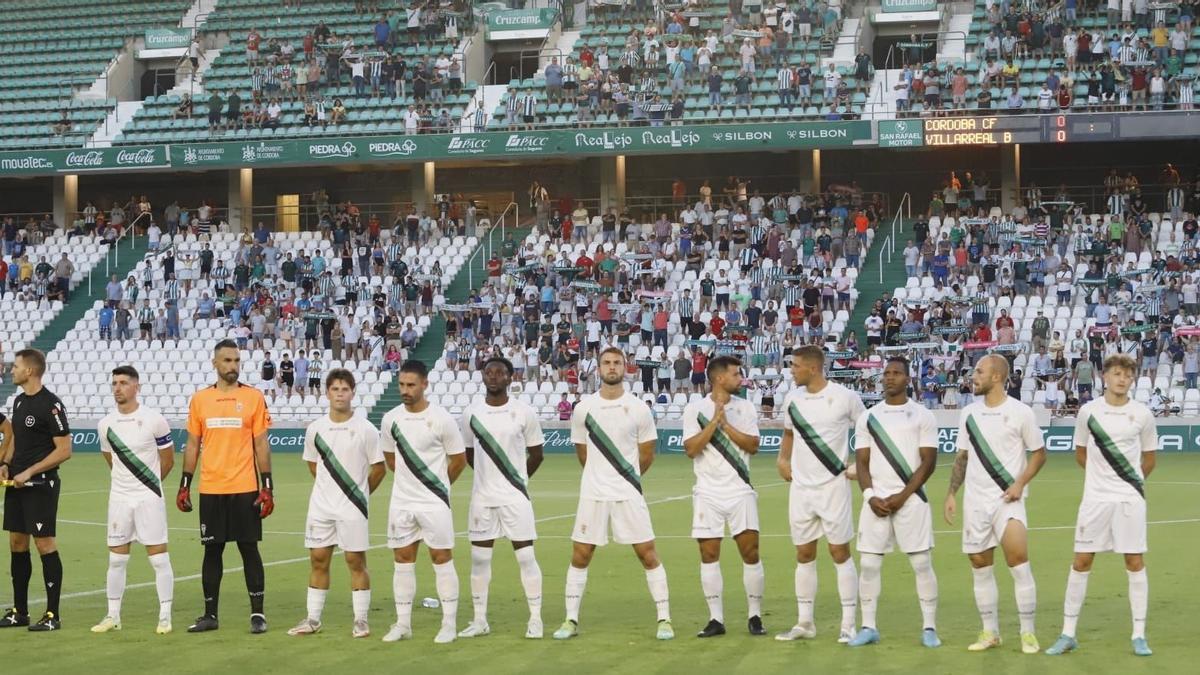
[726, 270]
[1052, 285]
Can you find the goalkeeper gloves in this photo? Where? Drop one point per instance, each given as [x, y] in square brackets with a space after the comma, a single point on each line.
[266, 497]
[183, 499]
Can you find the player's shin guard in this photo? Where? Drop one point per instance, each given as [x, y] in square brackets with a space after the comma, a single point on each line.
[446, 579]
[987, 598]
[22, 572]
[870, 585]
[1139, 597]
[712, 585]
[754, 580]
[211, 571]
[576, 583]
[656, 579]
[481, 578]
[52, 573]
[118, 563]
[806, 591]
[531, 580]
[1025, 588]
[1076, 591]
[847, 582]
[927, 587]
[256, 578]
[404, 589]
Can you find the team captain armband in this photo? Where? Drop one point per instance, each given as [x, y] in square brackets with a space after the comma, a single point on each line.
[164, 440]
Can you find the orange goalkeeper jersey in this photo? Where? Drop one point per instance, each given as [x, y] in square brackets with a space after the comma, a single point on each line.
[226, 423]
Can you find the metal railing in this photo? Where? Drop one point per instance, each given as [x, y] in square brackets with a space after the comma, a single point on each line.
[112, 257]
[487, 244]
[889, 244]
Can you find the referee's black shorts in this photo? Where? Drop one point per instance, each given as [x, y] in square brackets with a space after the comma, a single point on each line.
[33, 510]
[229, 518]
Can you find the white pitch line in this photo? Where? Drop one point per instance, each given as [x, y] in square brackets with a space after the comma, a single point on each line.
[289, 561]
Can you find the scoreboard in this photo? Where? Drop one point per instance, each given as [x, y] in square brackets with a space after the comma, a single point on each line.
[1009, 129]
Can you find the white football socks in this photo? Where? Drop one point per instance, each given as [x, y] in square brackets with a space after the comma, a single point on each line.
[712, 585]
[164, 583]
[656, 579]
[987, 598]
[870, 585]
[927, 586]
[481, 578]
[754, 580]
[806, 591]
[1025, 588]
[531, 580]
[576, 583]
[847, 581]
[404, 589]
[316, 603]
[361, 602]
[1139, 597]
[446, 579]
[1076, 591]
[118, 563]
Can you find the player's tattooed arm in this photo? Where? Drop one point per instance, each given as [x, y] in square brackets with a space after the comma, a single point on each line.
[959, 473]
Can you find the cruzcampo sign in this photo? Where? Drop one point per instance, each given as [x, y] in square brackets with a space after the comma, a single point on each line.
[519, 23]
[890, 6]
[167, 38]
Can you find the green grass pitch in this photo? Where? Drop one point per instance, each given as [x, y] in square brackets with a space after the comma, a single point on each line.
[617, 627]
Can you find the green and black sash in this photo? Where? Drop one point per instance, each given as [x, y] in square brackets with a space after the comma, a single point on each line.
[983, 452]
[494, 452]
[130, 460]
[340, 476]
[1112, 455]
[609, 449]
[417, 467]
[891, 453]
[727, 449]
[825, 455]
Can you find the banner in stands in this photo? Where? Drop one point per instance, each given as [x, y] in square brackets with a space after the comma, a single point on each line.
[433, 147]
[890, 6]
[1171, 438]
[520, 24]
[901, 134]
[167, 38]
[84, 159]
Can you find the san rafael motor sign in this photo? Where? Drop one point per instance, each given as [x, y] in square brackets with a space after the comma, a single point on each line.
[900, 134]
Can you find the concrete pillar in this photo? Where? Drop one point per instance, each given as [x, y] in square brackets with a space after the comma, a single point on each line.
[66, 199]
[808, 170]
[1010, 176]
[241, 200]
[424, 184]
[612, 182]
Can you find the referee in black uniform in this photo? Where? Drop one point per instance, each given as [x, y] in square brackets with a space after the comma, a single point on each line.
[41, 442]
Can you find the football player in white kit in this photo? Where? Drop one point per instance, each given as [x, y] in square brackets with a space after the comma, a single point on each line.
[343, 456]
[892, 437]
[504, 447]
[818, 416]
[139, 439]
[426, 440]
[614, 436]
[994, 434]
[720, 433]
[1115, 442]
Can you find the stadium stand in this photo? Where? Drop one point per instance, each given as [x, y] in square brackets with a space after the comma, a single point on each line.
[1056, 285]
[580, 282]
[304, 63]
[1042, 57]
[623, 68]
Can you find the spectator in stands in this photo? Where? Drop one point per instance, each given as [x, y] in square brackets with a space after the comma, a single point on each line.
[63, 125]
[338, 113]
[215, 105]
